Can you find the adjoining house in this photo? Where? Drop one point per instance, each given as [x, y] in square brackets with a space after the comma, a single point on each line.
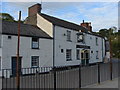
[49, 41]
[35, 47]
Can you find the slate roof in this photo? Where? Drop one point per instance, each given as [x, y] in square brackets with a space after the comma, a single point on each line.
[11, 28]
[63, 23]
[67, 24]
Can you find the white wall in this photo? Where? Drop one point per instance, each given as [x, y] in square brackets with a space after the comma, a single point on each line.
[61, 43]
[92, 43]
[9, 50]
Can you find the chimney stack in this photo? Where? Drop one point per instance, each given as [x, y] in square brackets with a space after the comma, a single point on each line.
[34, 9]
[87, 25]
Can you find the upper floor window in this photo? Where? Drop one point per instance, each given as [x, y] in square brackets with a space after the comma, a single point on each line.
[35, 61]
[96, 41]
[35, 43]
[68, 35]
[68, 55]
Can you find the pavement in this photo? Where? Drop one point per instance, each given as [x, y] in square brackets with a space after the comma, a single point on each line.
[106, 84]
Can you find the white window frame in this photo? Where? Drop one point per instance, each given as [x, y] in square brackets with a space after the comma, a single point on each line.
[68, 35]
[68, 54]
[35, 59]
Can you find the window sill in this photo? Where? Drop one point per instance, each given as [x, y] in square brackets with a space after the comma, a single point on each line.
[34, 66]
[69, 40]
[69, 60]
[36, 48]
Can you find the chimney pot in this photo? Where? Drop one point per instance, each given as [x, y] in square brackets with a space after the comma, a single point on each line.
[83, 21]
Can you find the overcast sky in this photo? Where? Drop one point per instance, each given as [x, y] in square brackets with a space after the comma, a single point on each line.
[100, 14]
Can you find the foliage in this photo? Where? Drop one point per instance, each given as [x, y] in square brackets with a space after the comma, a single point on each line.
[6, 17]
[115, 44]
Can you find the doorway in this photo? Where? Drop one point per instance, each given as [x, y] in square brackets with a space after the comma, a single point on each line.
[14, 65]
[85, 54]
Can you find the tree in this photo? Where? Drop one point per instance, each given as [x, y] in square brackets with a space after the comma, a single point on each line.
[6, 17]
[111, 33]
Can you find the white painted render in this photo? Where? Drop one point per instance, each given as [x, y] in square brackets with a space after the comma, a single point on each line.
[9, 49]
[45, 52]
[45, 25]
[62, 43]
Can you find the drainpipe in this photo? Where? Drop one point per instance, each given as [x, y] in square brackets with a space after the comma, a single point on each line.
[53, 45]
[102, 50]
[54, 68]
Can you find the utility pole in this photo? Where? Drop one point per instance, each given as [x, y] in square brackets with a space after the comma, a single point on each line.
[110, 55]
[18, 46]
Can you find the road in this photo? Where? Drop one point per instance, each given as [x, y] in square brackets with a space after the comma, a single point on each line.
[106, 84]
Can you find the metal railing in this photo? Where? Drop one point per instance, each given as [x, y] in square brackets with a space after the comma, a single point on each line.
[60, 77]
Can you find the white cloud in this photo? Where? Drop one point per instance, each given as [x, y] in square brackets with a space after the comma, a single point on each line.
[102, 15]
[61, 0]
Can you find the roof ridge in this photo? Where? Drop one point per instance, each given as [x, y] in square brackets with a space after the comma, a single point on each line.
[63, 23]
[61, 19]
[16, 22]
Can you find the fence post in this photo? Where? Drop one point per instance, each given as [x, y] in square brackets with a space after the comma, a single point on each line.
[54, 68]
[98, 73]
[79, 76]
[110, 70]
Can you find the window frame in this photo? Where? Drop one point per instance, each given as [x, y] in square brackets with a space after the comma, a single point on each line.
[78, 54]
[97, 55]
[68, 35]
[32, 46]
[68, 54]
[97, 41]
[33, 66]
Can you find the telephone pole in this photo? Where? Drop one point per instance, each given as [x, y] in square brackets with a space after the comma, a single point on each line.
[18, 47]
[110, 54]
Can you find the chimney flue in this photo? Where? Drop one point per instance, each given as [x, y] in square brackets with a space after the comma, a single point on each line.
[83, 21]
[34, 9]
[87, 25]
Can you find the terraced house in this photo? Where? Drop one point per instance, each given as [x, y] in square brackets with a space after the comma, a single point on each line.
[48, 41]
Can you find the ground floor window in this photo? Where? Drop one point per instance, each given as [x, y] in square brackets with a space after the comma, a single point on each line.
[68, 55]
[35, 61]
[97, 57]
[78, 54]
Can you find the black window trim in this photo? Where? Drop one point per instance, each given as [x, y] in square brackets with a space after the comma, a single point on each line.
[32, 42]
